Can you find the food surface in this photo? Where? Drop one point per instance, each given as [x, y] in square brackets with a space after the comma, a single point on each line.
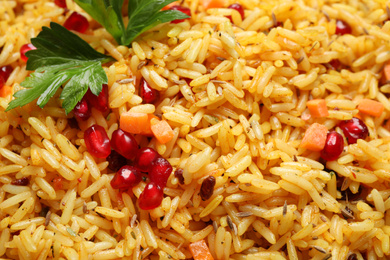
[228, 130]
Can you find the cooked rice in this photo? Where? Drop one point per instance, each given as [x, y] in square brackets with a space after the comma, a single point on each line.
[239, 116]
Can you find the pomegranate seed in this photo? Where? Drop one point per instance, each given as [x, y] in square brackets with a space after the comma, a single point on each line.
[354, 129]
[124, 143]
[97, 141]
[188, 81]
[76, 22]
[24, 181]
[60, 3]
[2, 82]
[82, 110]
[179, 175]
[5, 71]
[145, 158]
[182, 9]
[148, 94]
[151, 197]
[25, 48]
[116, 161]
[334, 146]
[335, 65]
[342, 28]
[126, 178]
[160, 171]
[238, 8]
[207, 188]
[99, 102]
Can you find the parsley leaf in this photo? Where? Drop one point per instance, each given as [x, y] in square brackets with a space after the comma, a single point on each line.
[143, 15]
[108, 13]
[61, 58]
[146, 14]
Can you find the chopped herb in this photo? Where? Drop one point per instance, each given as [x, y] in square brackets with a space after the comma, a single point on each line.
[133, 235]
[61, 58]
[71, 232]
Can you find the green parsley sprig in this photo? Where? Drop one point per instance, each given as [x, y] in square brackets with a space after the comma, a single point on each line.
[62, 58]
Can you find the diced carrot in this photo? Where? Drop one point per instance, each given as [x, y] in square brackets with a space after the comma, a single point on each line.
[137, 123]
[213, 3]
[317, 108]
[200, 251]
[148, 130]
[371, 107]
[58, 183]
[386, 71]
[167, 7]
[5, 91]
[134, 123]
[315, 137]
[162, 130]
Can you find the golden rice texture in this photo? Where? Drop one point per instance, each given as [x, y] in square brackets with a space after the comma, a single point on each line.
[235, 96]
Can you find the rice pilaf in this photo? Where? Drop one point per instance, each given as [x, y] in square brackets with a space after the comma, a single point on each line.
[235, 92]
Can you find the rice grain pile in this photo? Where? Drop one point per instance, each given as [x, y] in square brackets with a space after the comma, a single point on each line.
[235, 96]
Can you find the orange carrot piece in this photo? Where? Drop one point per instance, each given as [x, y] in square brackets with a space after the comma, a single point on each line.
[371, 107]
[162, 130]
[315, 137]
[317, 108]
[213, 3]
[167, 7]
[386, 71]
[200, 251]
[134, 123]
[5, 91]
[148, 130]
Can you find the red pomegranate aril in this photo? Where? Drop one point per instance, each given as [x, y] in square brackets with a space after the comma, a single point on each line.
[5, 71]
[148, 94]
[2, 82]
[188, 81]
[145, 158]
[126, 178]
[24, 181]
[238, 8]
[342, 28]
[60, 3]
[82, 110]
[160, 171]
[115, 161]
[25, 48]
[97, 142]
[151, 197]
[207, 188]
[179, 175]
[124, 143]
[76, 22]
[99, 102]
[354, 129]
[182, 9]
[335, 65]
[334, 146]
